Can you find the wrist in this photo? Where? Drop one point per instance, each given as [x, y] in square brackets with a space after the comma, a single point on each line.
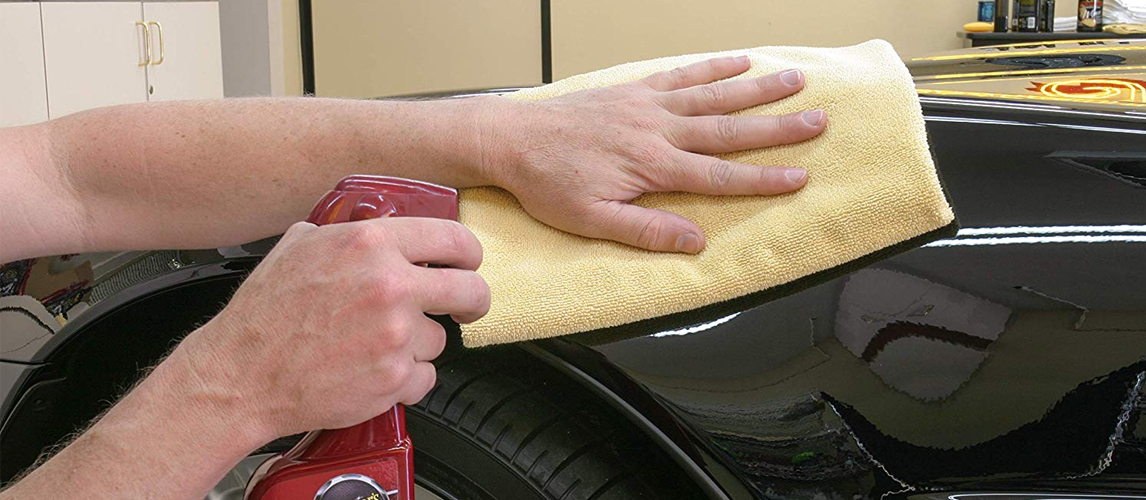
[497, 126]
[206, 392]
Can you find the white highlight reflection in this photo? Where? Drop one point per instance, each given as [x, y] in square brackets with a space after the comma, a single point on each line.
[698, 328]
[1028, 235]
[975, 231]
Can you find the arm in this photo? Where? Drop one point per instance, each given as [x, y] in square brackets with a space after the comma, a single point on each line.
[171, 437]
[203, 174]
[258, 370]
[213, 173]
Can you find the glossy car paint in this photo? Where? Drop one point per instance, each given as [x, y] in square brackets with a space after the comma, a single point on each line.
[1006, 360]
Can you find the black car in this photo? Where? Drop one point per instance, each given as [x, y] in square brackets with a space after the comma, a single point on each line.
[1006, 362]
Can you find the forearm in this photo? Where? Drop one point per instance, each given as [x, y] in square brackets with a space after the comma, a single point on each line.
[172, 437]
[213, 173]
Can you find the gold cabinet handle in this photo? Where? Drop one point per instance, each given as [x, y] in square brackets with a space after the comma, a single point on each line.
[158, 28]
[146, 44]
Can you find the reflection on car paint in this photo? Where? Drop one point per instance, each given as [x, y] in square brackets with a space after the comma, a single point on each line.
[697, 328]
[1028, 235]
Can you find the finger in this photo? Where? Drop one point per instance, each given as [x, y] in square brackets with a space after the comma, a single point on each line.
[434, 241]
[422, 379]
[698, 73]
[298, 228]
[725, 134]
[718, 98]
[647, 228]
[429, 340]
[462, 294]
[695, 173]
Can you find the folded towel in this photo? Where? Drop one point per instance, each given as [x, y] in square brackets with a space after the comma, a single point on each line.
[872, 191]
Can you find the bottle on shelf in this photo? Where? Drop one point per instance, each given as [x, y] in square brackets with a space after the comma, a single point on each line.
[1090, 15]
[1046, 16]
[1028, 15]
[1001, 16]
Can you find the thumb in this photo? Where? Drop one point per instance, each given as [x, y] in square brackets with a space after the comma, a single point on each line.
[655, 230]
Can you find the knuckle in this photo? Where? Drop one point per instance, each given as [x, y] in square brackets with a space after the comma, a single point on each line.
[720, 173]
[650, 232]
[678, 75]
[711, 95]
[765, 177]
[647, 155]
[385, 286]
[399, 374]
[460, 240]
[644, 123]
[425, 384]
[439, 342]
[481, 294]
[767, 84]
[429, 383]
[728, 129]
[764, 84]
[455, 237]
[298, 228]
[782, 125]
[363, 237]
[396, 335]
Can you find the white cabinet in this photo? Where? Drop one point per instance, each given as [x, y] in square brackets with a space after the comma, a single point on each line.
[23, 96]
[94, 54]
[57, 58]
[187, 60]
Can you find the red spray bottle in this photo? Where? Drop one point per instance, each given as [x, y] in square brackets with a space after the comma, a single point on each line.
[372, 460]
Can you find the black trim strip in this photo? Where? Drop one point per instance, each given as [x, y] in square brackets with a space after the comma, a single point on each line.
[306, 45]
[546, 44]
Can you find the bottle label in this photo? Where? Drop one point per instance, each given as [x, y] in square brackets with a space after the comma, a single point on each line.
[1089, 15]
[356, 487]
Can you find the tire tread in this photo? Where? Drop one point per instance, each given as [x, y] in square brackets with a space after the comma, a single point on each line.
[551, 432]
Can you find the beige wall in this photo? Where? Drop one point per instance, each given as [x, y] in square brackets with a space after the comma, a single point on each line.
[286, 57]
[592, 34]
[370, 48]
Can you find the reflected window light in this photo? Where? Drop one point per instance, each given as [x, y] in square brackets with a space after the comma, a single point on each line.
[979, 231]
[1029, 235]
[1025, 97]
[696, 328]
[1034, 496]
[1029, 240]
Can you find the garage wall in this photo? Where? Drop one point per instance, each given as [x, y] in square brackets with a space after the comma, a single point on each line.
[586, 38]
[370, 48]
[359, 42]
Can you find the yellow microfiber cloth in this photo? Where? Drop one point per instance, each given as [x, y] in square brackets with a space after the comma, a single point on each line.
[872, 191]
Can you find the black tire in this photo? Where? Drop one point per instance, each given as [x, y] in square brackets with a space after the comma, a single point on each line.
[502, 425]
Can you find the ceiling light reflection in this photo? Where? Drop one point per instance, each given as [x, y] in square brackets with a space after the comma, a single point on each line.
[697, 328]
[979, 231]
[1031, 240]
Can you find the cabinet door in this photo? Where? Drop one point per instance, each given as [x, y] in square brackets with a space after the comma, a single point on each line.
[93, 52]
[186, 35]
[23, 98]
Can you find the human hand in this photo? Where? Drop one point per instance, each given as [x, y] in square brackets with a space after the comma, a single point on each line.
[575, 161]
[329, 330]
